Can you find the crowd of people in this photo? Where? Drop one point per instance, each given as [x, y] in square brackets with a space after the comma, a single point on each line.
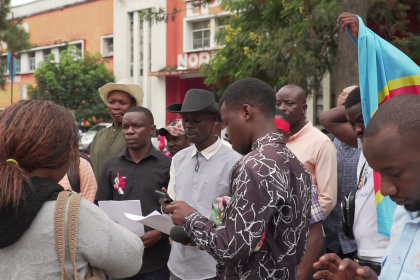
[296, 204]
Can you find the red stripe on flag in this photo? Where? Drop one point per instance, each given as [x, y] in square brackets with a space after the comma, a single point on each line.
[402, 90]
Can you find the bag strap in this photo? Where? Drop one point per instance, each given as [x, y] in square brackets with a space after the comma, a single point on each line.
[360, 175]
[59, 231]
[72, 219]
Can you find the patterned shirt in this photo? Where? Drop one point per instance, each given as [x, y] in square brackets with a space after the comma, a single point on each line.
[317, 214]
[347, 159]
[271, 194]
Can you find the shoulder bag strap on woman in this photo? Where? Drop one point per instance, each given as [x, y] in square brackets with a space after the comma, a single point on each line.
[72, 219]
[59, 221]
[73, 213]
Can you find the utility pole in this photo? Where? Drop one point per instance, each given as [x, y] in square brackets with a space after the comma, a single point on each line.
[11, 76]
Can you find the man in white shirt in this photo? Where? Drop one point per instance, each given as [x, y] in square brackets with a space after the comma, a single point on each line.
[198, 174]
[347, 124]
[392, 149]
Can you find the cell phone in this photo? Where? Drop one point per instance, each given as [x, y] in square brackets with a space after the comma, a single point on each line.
[164, 195]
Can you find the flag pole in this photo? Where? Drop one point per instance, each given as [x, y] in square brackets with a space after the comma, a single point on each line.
[12, 77]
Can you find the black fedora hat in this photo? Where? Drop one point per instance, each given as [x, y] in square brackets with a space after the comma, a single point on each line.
[196, 100]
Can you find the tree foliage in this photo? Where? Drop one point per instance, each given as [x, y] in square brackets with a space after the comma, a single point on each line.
[280, 42]
[293, 41]
[73, 83]
[390, 19]
[12, 33]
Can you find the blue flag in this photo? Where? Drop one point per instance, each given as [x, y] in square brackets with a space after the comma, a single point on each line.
[12, 69]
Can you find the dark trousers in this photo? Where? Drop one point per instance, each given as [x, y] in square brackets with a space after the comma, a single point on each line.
[161, 274]
[352, 255]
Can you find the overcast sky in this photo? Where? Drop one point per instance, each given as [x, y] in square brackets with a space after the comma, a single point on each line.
[18, 2]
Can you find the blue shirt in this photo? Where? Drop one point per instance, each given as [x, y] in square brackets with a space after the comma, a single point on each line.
[402, 258]
[347, 159]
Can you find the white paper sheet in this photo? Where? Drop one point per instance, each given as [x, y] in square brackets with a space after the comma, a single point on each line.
[116, 209]
[154, 220]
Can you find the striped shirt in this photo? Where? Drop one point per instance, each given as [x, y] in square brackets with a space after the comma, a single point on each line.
[88, 185]
[347, 159]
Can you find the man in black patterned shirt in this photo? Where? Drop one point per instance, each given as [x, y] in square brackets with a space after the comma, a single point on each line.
[271, 195]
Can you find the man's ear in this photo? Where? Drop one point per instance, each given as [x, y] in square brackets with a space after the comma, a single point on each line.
[133, 105]
[304, 108]
[247, 112]
[213, 118]
[152, 130]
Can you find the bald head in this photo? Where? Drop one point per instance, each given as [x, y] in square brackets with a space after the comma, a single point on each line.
[292, 100]
[293, 90]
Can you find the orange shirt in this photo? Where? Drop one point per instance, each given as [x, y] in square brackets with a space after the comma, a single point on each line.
[318, 154]
[88, 185]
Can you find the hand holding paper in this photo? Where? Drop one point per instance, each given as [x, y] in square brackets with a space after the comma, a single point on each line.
[154, 220]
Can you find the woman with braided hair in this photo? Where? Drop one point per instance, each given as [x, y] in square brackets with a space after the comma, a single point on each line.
[38, 144]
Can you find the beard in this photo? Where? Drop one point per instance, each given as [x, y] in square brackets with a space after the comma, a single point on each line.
[413, 207]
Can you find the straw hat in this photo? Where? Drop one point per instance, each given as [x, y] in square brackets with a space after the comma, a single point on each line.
[124, 85]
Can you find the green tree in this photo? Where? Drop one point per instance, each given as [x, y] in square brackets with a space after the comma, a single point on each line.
[73, 82]
[17, 38]
[280, 42]
[295, 41]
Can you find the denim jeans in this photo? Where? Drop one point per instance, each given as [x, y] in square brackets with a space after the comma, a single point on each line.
[161, 274]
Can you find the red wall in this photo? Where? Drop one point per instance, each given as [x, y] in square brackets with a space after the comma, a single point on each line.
[176, 88]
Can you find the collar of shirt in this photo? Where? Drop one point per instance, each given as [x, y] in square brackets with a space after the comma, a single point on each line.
[210, 151]
[413, 217]
[307, 127]
[125, 154]
[272, 137]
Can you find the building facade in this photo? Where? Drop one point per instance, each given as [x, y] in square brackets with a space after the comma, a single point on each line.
[139, 48]
[53, 25]
[162, 57]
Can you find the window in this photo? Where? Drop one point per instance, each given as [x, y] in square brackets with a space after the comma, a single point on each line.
[45, 54]
[3, 64]
[23, 93]
[201, 34]
[107, 46]
[319, 99]
[221, 26]
[31, 56]
[74, 53]
[17, 60]
[77, 54]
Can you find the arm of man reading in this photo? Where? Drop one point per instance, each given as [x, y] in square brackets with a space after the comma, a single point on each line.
[253, 205]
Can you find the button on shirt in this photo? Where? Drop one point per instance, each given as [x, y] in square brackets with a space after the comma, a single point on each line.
[318, 154]
[271, 193]
[107, 143]
[124, 179]
[402, 257]
[347, 159]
